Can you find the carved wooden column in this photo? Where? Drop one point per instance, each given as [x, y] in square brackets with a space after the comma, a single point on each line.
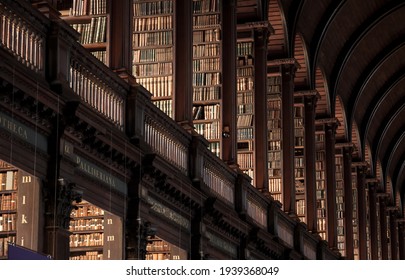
[132, 237]
[372, 185]
[58, 205]
[309, 99]
[330, 131]
[261, 31]
[229, 130]
[288, 68]
[183, 72]
[362, 214]
[119, 55]
[58, 193]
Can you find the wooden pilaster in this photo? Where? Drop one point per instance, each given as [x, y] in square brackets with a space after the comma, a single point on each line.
[373, 218]
[260, 124]
[229, 130]
[183, 74]
[361, 194]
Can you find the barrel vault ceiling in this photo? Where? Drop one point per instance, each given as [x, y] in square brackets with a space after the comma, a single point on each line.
[353, 53]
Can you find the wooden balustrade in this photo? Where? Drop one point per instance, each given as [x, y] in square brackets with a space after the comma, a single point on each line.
[256, 211]
[160, 137]
[97, 93]
[20, 37]
[218, 177]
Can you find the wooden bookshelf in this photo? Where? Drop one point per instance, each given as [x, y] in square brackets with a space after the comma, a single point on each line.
[8, 207]
[321, 184]
[153, 49]
[340, 203]
[90, 18]
[159, 249]
[87, 232]
[299, 160]
[207, 69]
[96, 234]
[245, 105]
[274, 126]
[19, 201]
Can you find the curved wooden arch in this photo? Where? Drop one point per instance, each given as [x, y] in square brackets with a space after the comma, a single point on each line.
[398, 202]
[356, 140]
[379, 99]
[369, 72]
[323, 104]
[301, 78]
[320, 33]
[296, 10]
[278, 43]
[368, 157]
[379, 174]
[389, 189]
[386, 125]
[342, 134]
[355, 39]
[397, 143]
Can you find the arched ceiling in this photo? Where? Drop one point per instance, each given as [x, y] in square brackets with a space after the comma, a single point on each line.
[355, 51]
[360, 47]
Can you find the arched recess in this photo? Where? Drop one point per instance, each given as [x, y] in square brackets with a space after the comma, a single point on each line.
[341, 131]
[355, 138]
[368, 157]
[301, 78]
[379, 174]
[398, 200]
[399, 186]
[277, 46]
[389, 189]
[323, 104]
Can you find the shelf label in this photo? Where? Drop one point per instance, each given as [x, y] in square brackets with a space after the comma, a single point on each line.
[24, 219]
[23, 132]
[93, 170]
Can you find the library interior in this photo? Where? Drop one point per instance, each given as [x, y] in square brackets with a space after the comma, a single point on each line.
[202, 129]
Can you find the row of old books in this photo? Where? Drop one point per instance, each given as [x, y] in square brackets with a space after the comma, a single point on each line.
[150, 69]
[152, 23]
[206, 112]
[206, 50]
[245, 160]
[149, 8]
[206, 64]
[86, 224]
[8, 222]
[205, 6]
[8, 201]
[93, 32]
